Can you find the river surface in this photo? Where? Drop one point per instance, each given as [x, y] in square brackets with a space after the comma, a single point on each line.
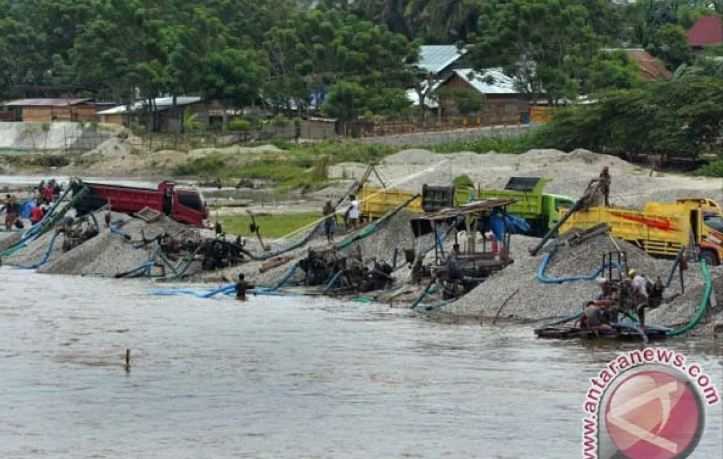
[281, 378]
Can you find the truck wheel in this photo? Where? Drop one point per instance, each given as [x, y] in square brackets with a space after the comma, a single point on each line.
[710, 257]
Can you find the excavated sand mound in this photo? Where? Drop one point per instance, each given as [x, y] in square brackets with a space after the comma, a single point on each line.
[533, 300]
[632, 185]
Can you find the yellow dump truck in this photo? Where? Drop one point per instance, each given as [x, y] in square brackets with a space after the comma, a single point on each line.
[661, 229]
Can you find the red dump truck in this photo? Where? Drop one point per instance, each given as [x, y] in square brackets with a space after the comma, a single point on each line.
[182, 204]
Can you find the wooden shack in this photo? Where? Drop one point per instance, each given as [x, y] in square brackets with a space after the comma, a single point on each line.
[165, 114]
[49, 110]
[502, 101]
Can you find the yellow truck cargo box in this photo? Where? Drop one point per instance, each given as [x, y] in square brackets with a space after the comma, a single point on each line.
[375, 201]
[659, 234]
[661, 228]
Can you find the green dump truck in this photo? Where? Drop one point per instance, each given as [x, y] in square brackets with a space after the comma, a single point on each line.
[541, 210]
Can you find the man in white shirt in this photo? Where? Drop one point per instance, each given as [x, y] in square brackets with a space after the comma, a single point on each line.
[639, 284]
[639, 287]
[353, 212]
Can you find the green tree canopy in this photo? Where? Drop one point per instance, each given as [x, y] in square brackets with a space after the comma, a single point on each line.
[544, 44]
[679, 118]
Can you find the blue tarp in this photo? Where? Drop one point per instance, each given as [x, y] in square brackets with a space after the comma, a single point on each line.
[27, 207]
[517, 225]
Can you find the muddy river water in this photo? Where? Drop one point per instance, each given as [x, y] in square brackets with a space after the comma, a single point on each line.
[282, 378]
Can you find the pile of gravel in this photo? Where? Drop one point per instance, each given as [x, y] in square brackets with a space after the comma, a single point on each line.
[105, 256]
[684, 306]
[528, 299]
[9, 238]
[632, 185]
[35, 252]
[394, 233]
[109, 254]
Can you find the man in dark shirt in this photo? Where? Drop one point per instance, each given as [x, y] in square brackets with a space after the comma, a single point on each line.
[605, 181]
[241, 287]
[12, 210]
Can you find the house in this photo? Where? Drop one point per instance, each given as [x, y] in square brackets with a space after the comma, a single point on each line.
[49, 110]
[165, 115]
[503, 101]
[707, 31]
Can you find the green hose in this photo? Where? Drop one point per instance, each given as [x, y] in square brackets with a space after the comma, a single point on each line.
[702, 307]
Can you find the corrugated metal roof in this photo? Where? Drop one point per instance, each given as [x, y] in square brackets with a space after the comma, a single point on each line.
[435, 58]
[58, 102]
[162, 103]
[488, 81]
[707, 31]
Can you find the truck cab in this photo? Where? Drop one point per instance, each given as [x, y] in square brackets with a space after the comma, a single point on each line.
[555, 205]
[186, 206]
[706, 220]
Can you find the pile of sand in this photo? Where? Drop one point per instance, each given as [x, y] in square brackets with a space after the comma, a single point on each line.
[529, 299]
[570, 173]
[105, 255]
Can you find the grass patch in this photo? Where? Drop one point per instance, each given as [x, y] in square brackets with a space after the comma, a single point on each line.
[512, 145]
[305, 166]
[338, 152]
[712, 169]
[272, 226]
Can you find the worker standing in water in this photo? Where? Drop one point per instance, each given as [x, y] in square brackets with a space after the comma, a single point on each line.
[242, 287]
[329, 221]
[605, 181]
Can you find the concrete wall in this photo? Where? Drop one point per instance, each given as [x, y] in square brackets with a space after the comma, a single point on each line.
[438, 137]
[64, 136]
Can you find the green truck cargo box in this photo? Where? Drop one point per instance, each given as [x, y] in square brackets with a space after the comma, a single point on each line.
[541, 210]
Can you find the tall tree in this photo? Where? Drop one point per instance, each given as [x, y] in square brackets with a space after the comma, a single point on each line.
[533, 41]
[314, 49]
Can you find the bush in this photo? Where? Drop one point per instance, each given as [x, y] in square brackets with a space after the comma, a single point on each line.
[320, 171]
[511, 144]
[679, 118]
[712, 169]
[210, 165]
[48, 161]
[280, 121]
[239, 125]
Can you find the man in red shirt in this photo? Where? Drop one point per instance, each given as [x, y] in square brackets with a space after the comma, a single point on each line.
[48, 193]
[37, 214]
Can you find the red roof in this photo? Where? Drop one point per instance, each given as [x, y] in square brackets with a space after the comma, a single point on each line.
[650, 68]
[707, 31]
